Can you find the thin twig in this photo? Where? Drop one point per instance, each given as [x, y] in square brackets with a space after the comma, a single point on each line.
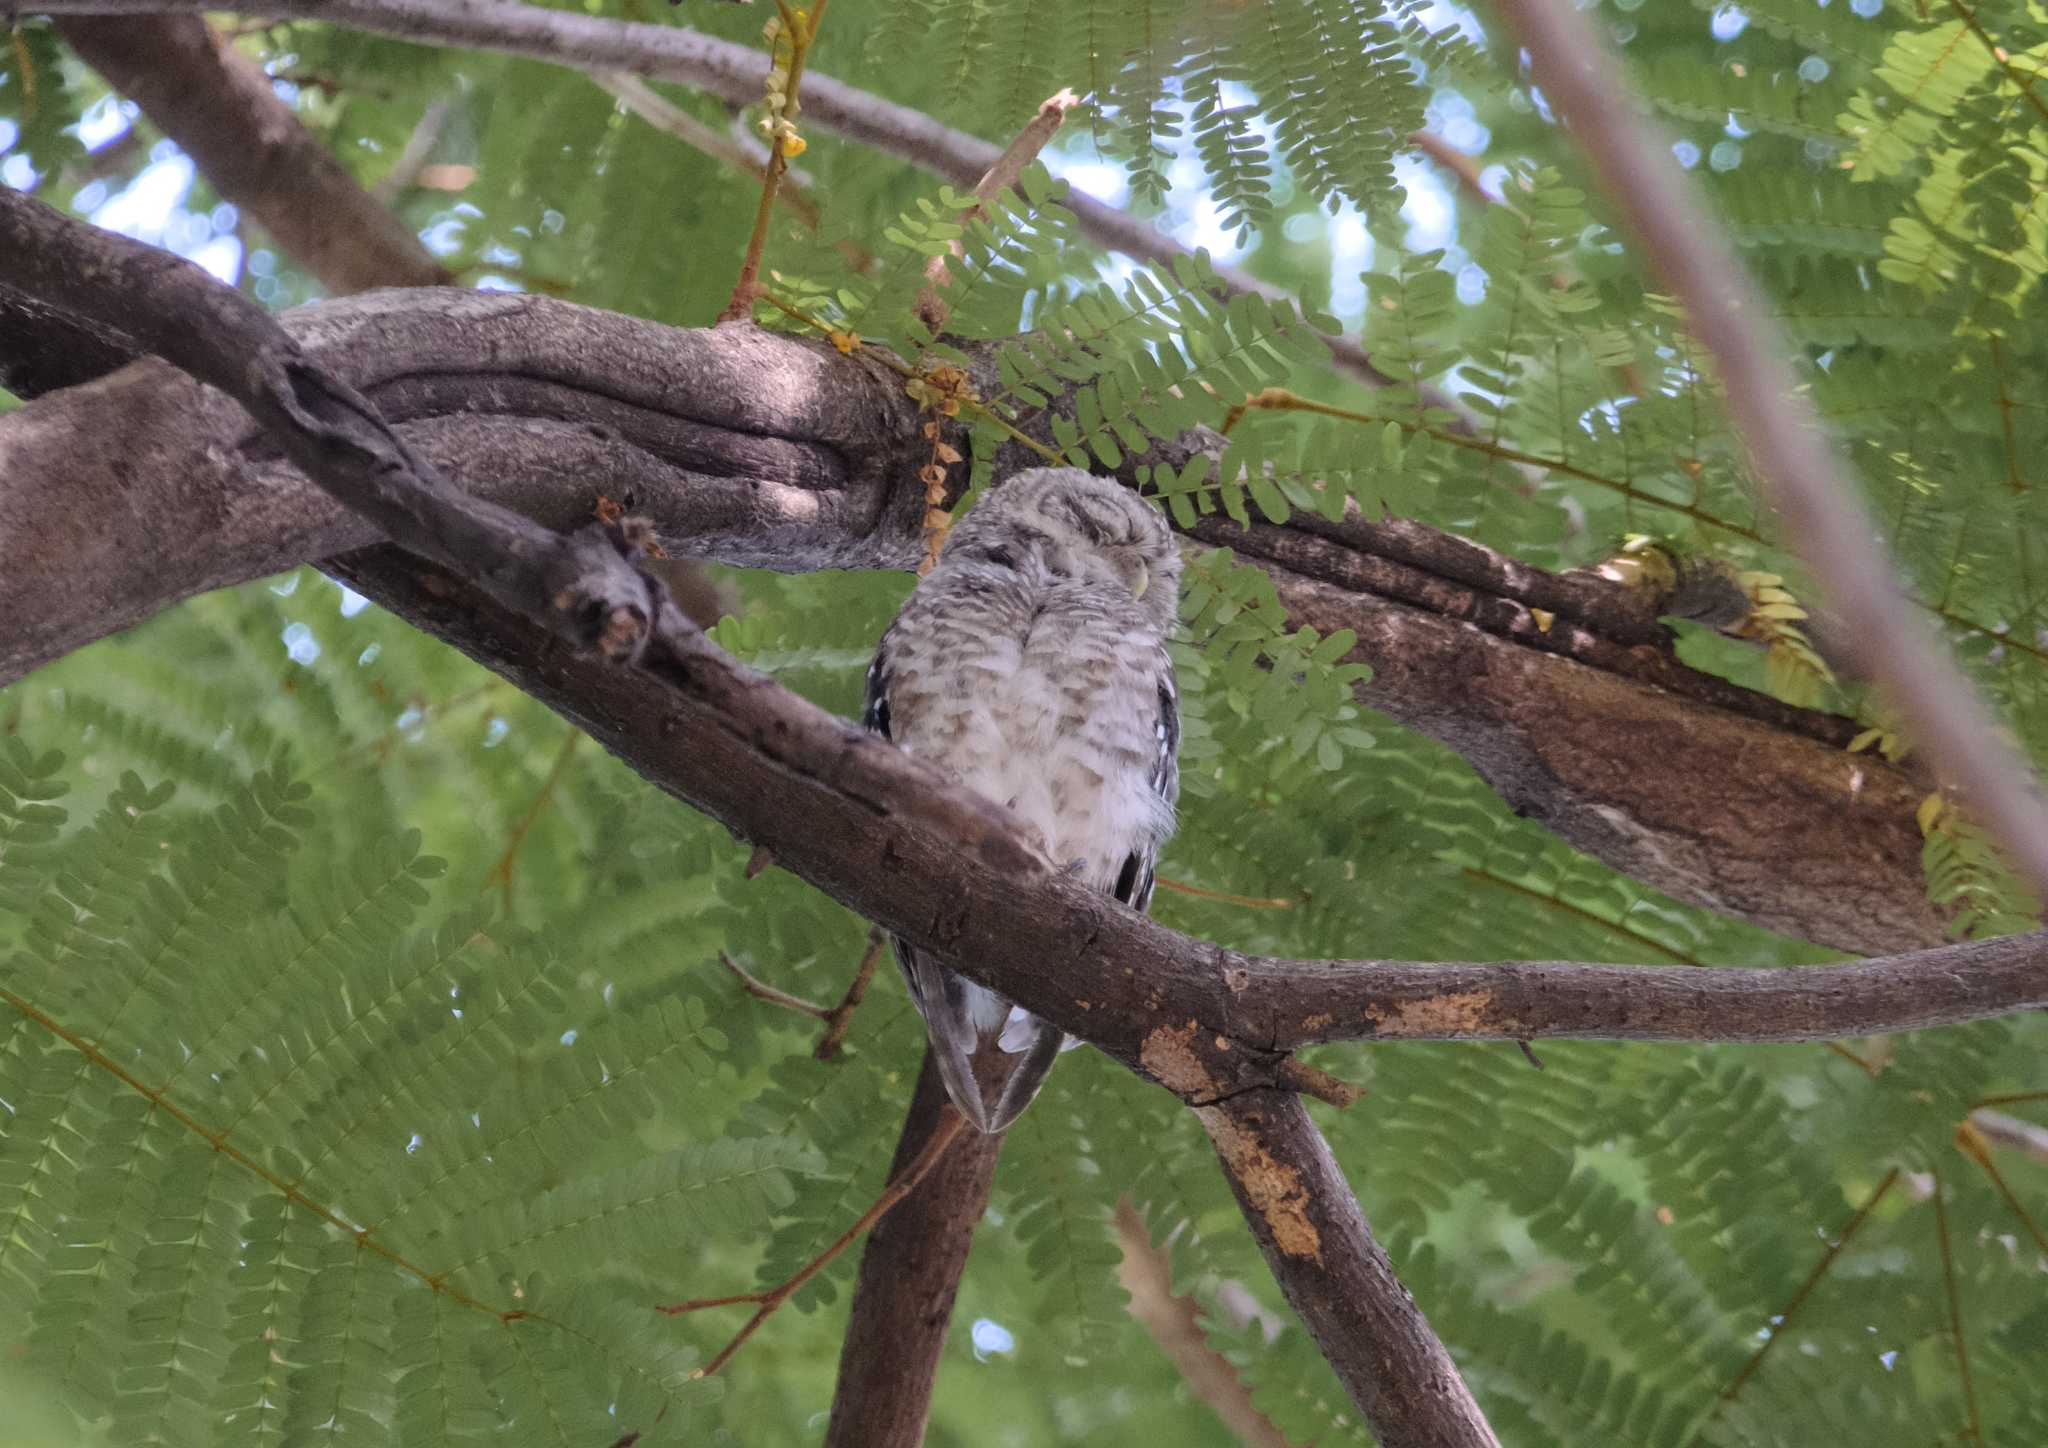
[419, 146]
[950, 1127]
[1000, 177]
[1175, 1323]
[1460, 165]
[501, 872]
[800, 30]
[1782, 1318]
[840, 1017]
[1955, 1311]
[1878, 631]
[760, 990]
[2013, 1098]
[1973, 1142]
[2013, 1133]
[644, 101]
[1224, 897]
[1298, 1075]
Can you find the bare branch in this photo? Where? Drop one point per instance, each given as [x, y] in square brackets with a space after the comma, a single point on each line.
[1337, 1276]
[1874, 625]
[840, 1017]
[728, 71]
[223, 113]
[1000, 177]
[760, 990]
[762, 450]
[909, 1273]
[1175, 1323]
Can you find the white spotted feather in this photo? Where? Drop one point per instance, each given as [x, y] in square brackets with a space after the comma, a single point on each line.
[1031, 665]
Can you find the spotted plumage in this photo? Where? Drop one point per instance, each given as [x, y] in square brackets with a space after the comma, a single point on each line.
[1031, 665]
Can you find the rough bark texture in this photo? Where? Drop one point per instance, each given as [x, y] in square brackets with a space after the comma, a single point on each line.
[751, 448]
[1315, 1238]
[1766, 824]
[877, 830]
[221, 109]
[742, 446]
[946, 869]
[909, 1273]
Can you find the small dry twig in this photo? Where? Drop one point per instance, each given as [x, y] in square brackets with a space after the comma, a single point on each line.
[837, 1018]
[999, 178]
[760, 990]
[950, 1125]
[840, 1017]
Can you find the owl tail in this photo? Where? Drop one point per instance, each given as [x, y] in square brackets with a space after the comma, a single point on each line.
[993, 1056]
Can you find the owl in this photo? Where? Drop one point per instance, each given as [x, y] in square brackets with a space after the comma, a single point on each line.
[1030, 664]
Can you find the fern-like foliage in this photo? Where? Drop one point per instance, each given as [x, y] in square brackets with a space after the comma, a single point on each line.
[304, 1134]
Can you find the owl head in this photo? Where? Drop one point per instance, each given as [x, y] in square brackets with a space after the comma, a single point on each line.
[1069, 524]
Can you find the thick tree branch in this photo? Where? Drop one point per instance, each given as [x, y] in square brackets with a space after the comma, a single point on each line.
[909, 1272]
[871, 828]
[1825, 521]
[745, 447]
[718, 67]
[886, 827]
[222, 112]
[750, 448]
[1315, 1238]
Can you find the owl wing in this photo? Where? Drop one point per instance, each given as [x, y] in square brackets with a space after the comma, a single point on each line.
[944, 998]
[955, 1009]
[1134, 882]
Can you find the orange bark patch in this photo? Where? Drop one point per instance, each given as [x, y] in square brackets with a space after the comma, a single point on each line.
[1273, 1188]
[1169, 1054]
[1458, 1013]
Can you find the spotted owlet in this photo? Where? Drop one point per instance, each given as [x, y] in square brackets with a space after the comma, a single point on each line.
[1031, 665]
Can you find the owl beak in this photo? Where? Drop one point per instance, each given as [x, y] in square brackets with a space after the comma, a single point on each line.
[1144, 581]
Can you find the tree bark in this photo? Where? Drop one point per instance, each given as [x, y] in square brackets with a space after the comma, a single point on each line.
[881, 830]
[220, 108]
[757, 449]
[1315, 1238]
[909, 1273]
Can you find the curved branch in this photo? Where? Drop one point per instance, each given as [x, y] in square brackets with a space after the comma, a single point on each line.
[723, 69]
[223, 113]
[876, 830]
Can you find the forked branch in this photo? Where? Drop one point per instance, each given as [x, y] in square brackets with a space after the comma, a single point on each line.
[944, 868]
